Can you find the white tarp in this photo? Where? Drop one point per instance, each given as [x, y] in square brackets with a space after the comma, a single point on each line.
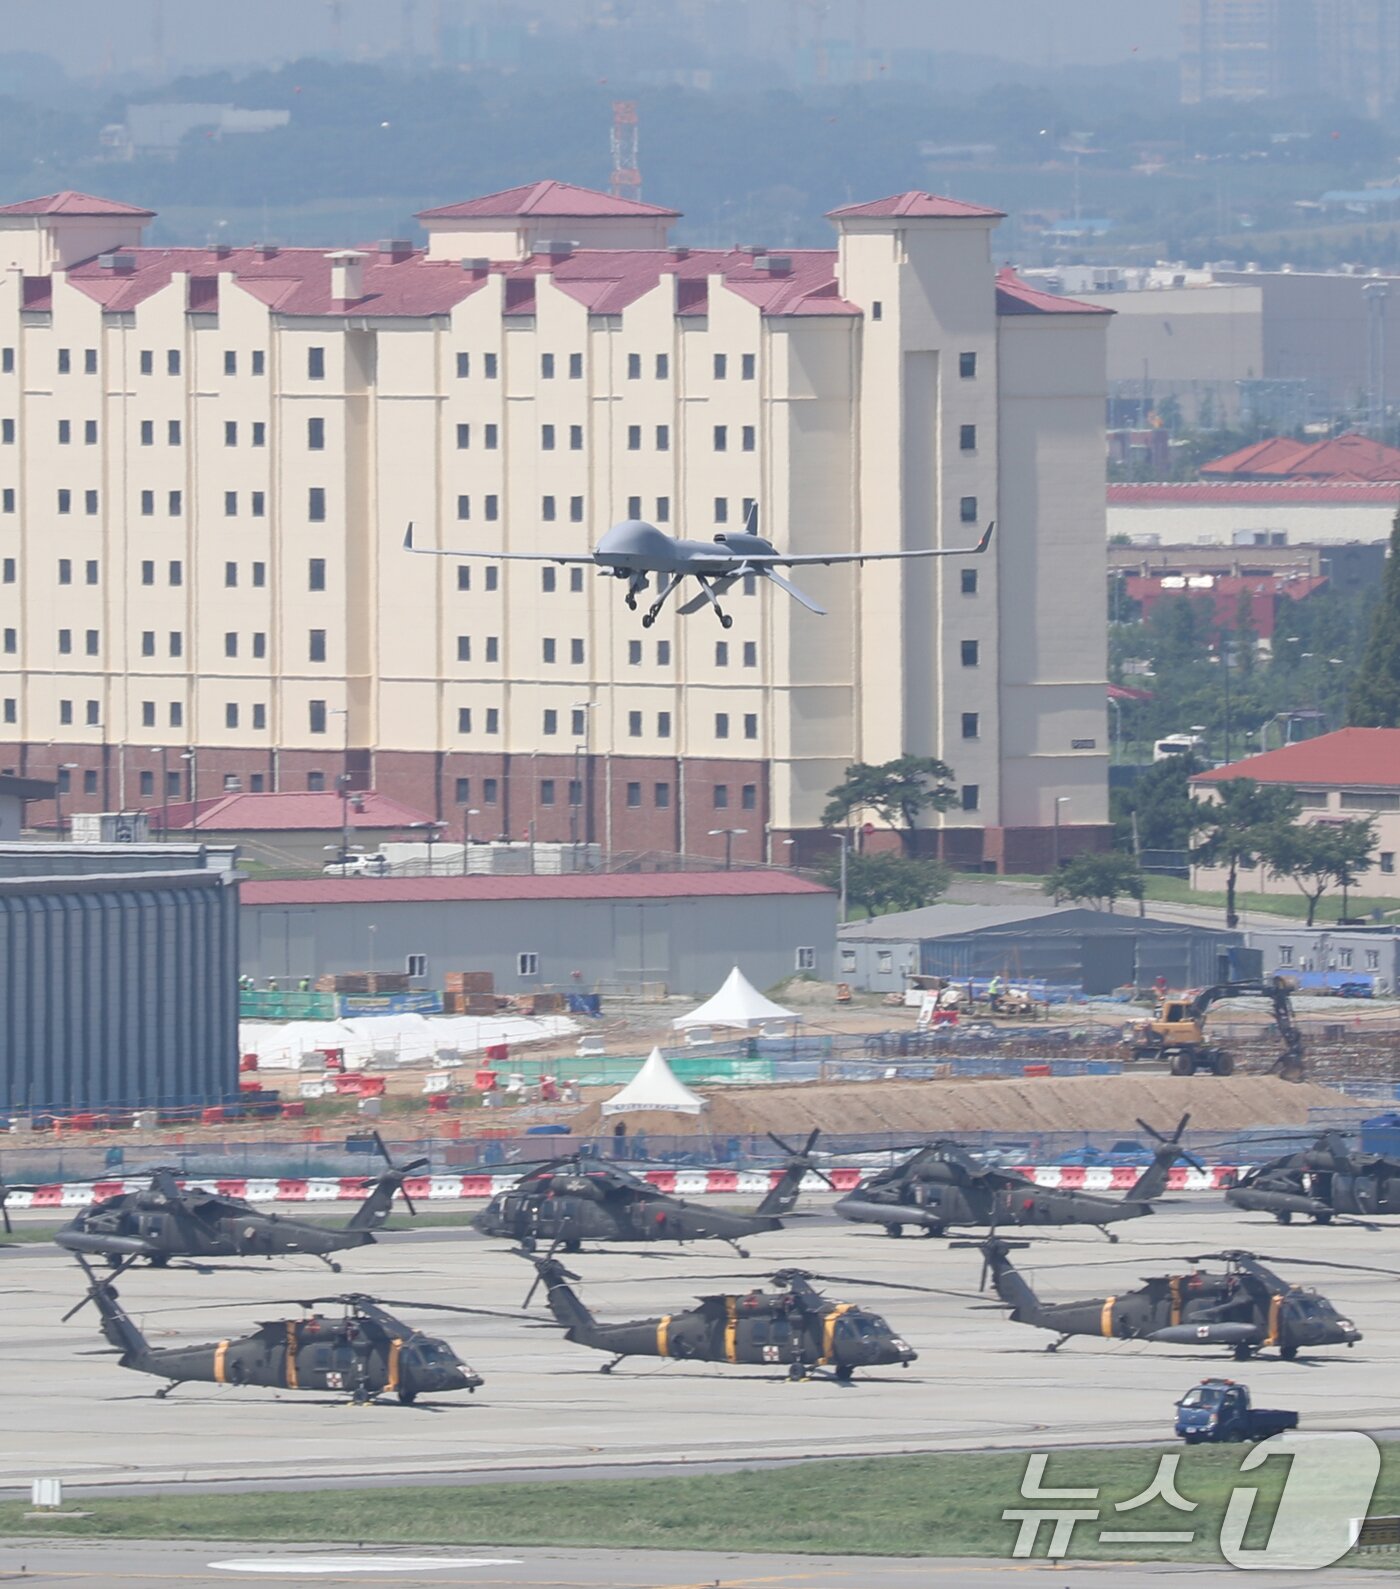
[392, 1039]
[738, 1003]
[655, 1087]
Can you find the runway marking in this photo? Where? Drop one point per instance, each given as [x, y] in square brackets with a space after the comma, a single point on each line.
[337, 1564]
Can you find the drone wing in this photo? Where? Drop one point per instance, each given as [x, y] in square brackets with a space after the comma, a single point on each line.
[761, 561]
[495, 557]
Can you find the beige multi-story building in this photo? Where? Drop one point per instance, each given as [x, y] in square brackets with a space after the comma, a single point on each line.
[208, 458]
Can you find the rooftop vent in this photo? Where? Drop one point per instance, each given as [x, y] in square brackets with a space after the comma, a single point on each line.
[396, 248]
[120, 262]
[555, 247]
[478, 266]
[753, 248]
[265, 250]
[679, 251]
[774, 264]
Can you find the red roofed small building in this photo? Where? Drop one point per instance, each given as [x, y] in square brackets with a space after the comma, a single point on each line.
[295, 827]
[1354, 772]
[1263, 595]
[1347, 457]
[218, 450]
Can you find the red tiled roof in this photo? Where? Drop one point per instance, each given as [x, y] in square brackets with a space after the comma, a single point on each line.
[560, 199]
[605, 280]
[297, 811]
[1368, 757]
[1349, 457]
[1015, 296]
[1256, 493]
[483, 890]
[69, 202]
[915, 205]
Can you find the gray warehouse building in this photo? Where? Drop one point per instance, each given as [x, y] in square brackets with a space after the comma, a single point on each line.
[119, 966]
[616, 931]
[1096, 951]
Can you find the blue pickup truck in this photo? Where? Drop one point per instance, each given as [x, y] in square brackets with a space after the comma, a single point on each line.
[1219, 1409]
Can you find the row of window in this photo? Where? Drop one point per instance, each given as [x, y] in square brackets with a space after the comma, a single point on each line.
[549, 366]
[549, 722]
[174, 433]
[548, 788]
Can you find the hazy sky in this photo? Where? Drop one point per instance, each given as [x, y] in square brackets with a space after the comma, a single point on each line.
[87, 34]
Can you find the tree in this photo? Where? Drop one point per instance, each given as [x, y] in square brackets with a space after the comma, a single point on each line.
[1161, 801]
[1374, 698]
[898, 790]
[1231, 830]
[882, 881]
[1097, 880]
[1317, 856]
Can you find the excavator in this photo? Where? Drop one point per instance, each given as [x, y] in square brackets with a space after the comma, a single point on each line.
[1176, 1032]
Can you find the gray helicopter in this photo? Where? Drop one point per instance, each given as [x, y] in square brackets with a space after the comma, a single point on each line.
[635, 551]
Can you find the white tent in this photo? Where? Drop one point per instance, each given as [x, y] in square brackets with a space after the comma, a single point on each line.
[655, 1087]
[738, 1003]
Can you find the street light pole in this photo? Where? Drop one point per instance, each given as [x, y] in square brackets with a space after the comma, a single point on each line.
[163, 751]
[192, 757]
[729, 834]
[343, 786]
[468, 812]
[63, 767]
[1060, 800]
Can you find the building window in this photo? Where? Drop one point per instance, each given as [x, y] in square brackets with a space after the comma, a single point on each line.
[576, 366]
[750, 725]
[806, 959]
[316, 573]
[65, 361]
[575, 791]
[634, 507]
[90, 773]
[969, 653]
[65, 713]
[546, 438]
[464, 507]
[315, 435]
[65, 432]
[148, 642]
[65, 501]
[721, 366]
[257, 504]
[464, 726]
[721, 510]
[464, 366]
[967, 365]
[230, 504]
[634, 795]
[176, 646]
[175, 505]
[89, 433]
[663, 725]
[172, 361]
[260, 574]
[489, 788]
[549, 579]
[231, 715]
[750, 653]
[148, 779]
[547, 512]
[259, 361]
[493, 648]
[462, 792]
[970, 796]
[230, 574]
[65, 642]
[493, 510]
[576, 517]
[969, 582]
[548, 646]
[634, 366]
[749, 435]
[748, 797]
[546, 366]
[148, 503]
[721, 797]
[92, 642]
[550, 722]
[7, 431]
[1373, 959]
[493, 720]
[148, 362]
[316, 504]
[663, 438]
[1388, 861]
[663, 510]
[546, 791]
[259, 433]
[877, 310]
[7, 500]
[1285, 954]
[7, 361]
[65, 571]
[967, 438]
[315, 364]
[148, 432]
[749, 366]
[464, 648]
[259, 643]
[464, 577]
[231, 643]
[721, 438]
[490, 366]
[464, 437]
[527, 964]
[315, 782]
[230, 362]
[575, 438]
[89, 361]
[9, 571]
[634, 652]
[317, 716]
[634, 725]
[576, 651]
[176, 572]
[721, 653]
[634, 438]
[1344, 959]
[578, 722]
[721, 725]
[663, 653]
[967, 509]
[661, 796]
[969, 725]
[316, 645]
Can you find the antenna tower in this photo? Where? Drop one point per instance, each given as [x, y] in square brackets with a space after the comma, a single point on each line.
[626, 175]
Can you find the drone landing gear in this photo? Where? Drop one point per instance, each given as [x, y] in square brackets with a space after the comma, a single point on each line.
[1054, 1346]
[165, 1390]
[650, 615]
[607, 1368]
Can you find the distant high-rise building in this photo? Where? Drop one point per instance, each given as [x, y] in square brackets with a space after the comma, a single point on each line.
[1256, 49]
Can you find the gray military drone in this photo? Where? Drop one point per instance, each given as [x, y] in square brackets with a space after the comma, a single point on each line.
[635, 550]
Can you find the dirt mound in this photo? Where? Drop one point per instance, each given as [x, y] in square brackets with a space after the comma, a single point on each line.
[1078, 1103]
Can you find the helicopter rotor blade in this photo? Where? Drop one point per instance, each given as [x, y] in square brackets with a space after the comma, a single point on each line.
[95, 1283]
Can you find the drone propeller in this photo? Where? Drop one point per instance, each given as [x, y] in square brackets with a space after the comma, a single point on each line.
[1174, 1140]
[803, 1157]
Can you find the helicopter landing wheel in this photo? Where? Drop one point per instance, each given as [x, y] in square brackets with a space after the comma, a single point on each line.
[1288, 1353]
[407, 1397]
[1324, 1218]
[159, 1260]
[574, 1244]
[1242, 1353]
[894, 1230]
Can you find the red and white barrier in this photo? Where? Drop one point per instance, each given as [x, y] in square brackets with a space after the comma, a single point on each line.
[680, 1183]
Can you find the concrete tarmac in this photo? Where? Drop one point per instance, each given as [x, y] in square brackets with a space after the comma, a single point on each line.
[221, 1565]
